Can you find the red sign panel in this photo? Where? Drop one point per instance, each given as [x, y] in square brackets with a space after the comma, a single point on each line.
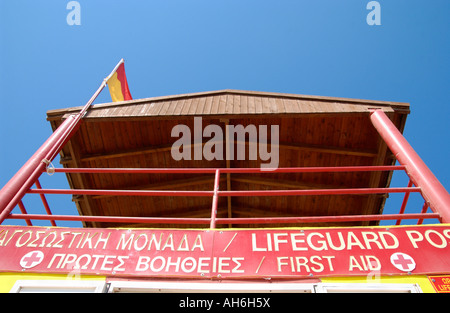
[359, 251]
[440, 283]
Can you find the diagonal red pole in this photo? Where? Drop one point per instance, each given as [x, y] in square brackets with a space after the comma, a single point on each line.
[405, 201]
[44, 201]
[432, 190]
[20, 183]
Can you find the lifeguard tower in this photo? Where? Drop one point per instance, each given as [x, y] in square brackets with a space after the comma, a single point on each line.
[228, 191]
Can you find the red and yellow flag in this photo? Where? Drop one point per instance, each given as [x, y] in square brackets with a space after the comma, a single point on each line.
[118, 85]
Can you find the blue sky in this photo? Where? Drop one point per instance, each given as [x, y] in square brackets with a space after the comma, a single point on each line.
[321, 47]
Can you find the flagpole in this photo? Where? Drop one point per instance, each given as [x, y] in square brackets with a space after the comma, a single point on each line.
[82, 113]
[103, 85]
[114, 70]
[22, 181]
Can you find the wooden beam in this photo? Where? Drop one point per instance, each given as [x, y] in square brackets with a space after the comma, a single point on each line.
[171, 185]
[289, 146]
[200, 212]
[126, 153]
[131, 152]
[280, 184]
[321, 149]
[258, 212]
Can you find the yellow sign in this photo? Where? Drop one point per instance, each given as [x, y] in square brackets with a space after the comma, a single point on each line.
[440, 283]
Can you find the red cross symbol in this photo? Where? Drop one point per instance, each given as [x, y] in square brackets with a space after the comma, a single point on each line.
[31, 259]
[403, 262]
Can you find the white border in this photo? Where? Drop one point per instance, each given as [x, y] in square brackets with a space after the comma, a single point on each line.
[155, 287]
[367, 288]
[36, 286]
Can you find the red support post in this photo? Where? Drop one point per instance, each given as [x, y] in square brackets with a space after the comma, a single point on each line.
[45, 202]
[215, 202]
[424, 210]
[405, 201]
[15, 189]
[24, 211]
[432, 190]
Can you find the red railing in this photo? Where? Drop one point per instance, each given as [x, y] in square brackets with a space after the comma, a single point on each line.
[216, 193]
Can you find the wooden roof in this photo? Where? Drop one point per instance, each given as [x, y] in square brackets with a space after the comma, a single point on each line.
[313, 131]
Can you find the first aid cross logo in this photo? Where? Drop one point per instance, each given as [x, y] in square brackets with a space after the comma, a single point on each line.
[31, 259]
[403, 262]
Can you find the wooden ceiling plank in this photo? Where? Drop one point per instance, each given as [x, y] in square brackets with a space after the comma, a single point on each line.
[171, 185]
[290, 146]
[280, 184]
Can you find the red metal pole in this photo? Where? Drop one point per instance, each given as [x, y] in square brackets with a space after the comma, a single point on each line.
[112, 219]
[231, 170]
[24, 211]
[322, 219]
[15, 189]
[114, 192]
[316, 192]
[234, 220]
[424, 210]
[405, 201]
[212, 225]
[432, 190]
[235, 193]
[44, 202]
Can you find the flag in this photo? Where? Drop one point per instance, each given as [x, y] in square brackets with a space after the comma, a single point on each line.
[118, 85]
